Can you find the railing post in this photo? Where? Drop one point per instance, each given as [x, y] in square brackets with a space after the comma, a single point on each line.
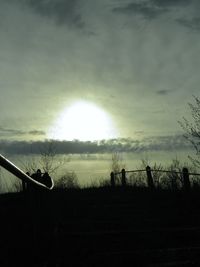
[150, 182]
[123, 179]
[112, 179]
[186, 180]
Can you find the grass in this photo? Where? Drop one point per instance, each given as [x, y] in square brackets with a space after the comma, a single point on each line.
[100, 227]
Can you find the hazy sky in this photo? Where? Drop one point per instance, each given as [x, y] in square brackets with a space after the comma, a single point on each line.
[136, 60]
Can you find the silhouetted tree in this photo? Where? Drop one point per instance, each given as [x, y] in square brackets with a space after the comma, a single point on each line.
[115, 162]
[173, 179]
[48, 157]
[192, 129]
[47, 160]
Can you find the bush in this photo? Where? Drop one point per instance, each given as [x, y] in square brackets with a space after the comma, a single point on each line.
[68, 180]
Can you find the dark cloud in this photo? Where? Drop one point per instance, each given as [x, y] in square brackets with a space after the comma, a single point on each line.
[61, 147]
[166, 143]
[139, 132]
[163, 92]
[160, 143]
[7, 131]
[36, 132]
[193, 23]
[144, 9]
[62, 11]
[151, 9]
[171, 3]
[15, 132]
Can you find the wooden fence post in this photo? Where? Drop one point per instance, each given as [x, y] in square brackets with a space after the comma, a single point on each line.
[186, 180]
[123, 179]
[112, 179]
[150, 182]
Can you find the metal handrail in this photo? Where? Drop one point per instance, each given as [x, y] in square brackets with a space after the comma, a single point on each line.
[12, 168]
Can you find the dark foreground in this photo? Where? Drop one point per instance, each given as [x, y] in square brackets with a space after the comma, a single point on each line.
[100, 227]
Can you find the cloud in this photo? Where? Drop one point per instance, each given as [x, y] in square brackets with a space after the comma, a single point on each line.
[5, 132]
[151, 9]
[164, 92]
[36, 132]
[62, 11]
[8, 131]
[45, 67]
[166, 143]
[160, 143]
[171, 3]
[193, 23]
[144, 9]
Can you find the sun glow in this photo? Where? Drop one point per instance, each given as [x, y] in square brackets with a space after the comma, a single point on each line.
[83, 121]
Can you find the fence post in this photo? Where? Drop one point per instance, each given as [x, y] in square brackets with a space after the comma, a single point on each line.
[186, 180]
[123, 179]
[150, 182]
[112, 179]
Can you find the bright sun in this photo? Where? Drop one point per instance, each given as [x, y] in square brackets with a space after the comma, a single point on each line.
[83, 121]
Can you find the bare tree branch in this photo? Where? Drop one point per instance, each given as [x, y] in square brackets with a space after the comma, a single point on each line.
[192, 129]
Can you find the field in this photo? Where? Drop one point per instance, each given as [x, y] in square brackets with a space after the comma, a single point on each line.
[100, 227]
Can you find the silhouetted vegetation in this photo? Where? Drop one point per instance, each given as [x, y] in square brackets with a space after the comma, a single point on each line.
[169, 177]
[192, 129]
[149, 217]
[100, 226]
[68, 180]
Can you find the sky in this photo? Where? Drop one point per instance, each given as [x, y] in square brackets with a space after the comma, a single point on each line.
[136, 61]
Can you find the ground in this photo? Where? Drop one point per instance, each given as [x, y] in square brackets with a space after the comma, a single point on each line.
[100, 227]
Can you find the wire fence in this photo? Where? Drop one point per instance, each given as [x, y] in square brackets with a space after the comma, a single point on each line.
[153, 178]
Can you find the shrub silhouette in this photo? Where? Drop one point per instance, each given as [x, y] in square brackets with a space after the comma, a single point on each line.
[68, 180]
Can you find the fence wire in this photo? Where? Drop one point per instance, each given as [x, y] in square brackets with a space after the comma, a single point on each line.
[162, 178]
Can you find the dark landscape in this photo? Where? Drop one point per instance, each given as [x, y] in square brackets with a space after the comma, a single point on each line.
[99, 133]
[100, 227]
